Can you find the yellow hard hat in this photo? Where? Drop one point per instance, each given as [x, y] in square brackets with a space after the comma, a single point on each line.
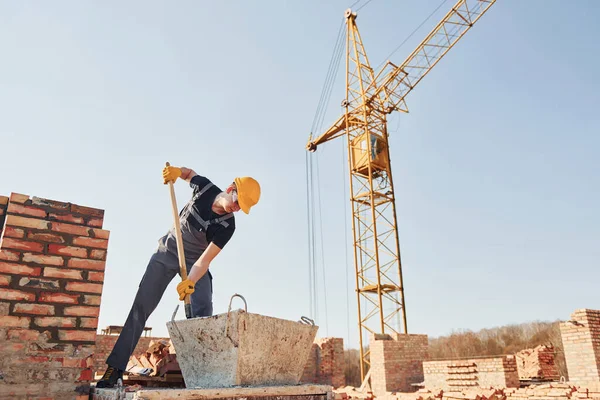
[248, 191]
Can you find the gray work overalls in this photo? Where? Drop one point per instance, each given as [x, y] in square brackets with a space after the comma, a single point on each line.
[161, 269]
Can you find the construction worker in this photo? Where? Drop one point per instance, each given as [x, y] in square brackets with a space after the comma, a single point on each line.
[207, 224]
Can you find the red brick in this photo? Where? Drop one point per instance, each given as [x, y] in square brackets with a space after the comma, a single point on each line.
[91, 242]
[62, 273]
[73, 362]
[55, 321]
[23, 334]
[17, 269]
[9, 255]
[92, 212]
[4, 280]
[101, 234]
[18, 198]
[98, 254]
[14, 322]
[12, 348]
[70, 218]
[67, 250]
[14, 232]
[77, 336]
[89, 323]
[58, 298]
[86, 264]
[95, 222]
[58, 205]
[81, 362]
[91, 300]
[86, 375]
[42, 259]
[33, 359]
[68, 228]
[37, 283]
[3, 200]
[26, 210]
[11, 294]
[14, 220]
[46, 237]
[18, 244]
[96, 276]
[4, 308]
[37, 309]
[83, 287]
[82, 311]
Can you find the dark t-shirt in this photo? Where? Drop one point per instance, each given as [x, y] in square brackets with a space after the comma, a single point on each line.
[218, 233]
[199, 224]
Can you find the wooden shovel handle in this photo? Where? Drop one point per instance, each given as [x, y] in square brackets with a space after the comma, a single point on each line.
[180, 252]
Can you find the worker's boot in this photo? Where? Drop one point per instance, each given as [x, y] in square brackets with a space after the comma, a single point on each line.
[110, 377]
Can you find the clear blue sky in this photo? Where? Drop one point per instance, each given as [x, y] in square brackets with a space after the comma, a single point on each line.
[496, 167]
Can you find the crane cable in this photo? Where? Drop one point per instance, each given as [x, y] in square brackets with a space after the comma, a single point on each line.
[313, 185]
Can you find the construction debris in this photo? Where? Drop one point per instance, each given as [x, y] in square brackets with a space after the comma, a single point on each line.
[158, 360]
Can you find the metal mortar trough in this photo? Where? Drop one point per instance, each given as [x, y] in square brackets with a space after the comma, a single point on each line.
[238, 348]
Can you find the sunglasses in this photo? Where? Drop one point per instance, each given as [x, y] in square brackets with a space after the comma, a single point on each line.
[234, 197]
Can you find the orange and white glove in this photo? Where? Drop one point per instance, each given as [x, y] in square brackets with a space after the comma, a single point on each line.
[171, 173]
[184, 288]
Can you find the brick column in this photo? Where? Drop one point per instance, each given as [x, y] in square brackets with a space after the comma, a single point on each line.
[397, 362]
[326, 363]
[581, 343]
[52, 258]
[331, 362]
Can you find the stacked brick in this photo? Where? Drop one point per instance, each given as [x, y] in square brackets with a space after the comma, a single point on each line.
[326, 363]
[497, 372]
[52, 259]
[550, 391]
[397, 362]
[105, 344]
[581, 344]
[537, 363]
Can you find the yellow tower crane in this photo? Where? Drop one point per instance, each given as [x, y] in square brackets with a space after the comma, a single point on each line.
[370, 97]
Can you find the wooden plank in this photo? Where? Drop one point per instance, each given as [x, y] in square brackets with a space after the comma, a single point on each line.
[312, 392]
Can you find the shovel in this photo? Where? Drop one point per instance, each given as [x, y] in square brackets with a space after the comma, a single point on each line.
[186, 300]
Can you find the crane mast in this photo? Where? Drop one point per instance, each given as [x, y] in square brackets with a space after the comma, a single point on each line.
[370, 97]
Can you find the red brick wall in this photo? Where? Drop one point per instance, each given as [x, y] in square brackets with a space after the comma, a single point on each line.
[581, 343]
[397, 362]
[52, 258]
[326, 363]
[496, 372]
[105, 343]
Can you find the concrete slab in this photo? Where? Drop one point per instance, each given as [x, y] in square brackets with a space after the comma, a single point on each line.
[288, 392]
[241, 348]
